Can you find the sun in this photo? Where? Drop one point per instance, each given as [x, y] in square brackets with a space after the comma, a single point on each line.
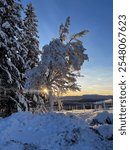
[43, 90]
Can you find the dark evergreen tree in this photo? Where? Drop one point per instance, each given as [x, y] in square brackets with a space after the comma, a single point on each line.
[12, 63]
[30, 39]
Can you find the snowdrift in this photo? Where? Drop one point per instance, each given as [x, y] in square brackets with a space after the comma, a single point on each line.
[102, 123]
[51, 131]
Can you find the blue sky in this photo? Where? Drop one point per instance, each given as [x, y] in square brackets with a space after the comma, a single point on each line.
[93, 15]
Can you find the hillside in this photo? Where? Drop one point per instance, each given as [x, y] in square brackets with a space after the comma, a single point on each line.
[90, 97]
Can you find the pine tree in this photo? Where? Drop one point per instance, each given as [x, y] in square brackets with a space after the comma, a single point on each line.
[30, 39]
[12, 64]
[60, 64]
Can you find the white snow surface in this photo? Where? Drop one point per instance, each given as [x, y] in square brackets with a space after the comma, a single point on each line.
[102, 117]
[50, 131]
[105, 130]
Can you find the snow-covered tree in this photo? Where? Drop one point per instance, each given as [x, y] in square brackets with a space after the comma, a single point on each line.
[30, 37]
[60, 64]
[12, 65]
[30, 41]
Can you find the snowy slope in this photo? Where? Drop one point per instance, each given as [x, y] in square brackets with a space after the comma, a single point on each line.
[51, 131]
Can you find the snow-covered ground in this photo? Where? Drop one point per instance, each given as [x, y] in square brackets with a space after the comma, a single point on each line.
[57, 131]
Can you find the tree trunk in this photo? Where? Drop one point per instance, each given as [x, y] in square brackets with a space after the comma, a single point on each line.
[51, 101]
